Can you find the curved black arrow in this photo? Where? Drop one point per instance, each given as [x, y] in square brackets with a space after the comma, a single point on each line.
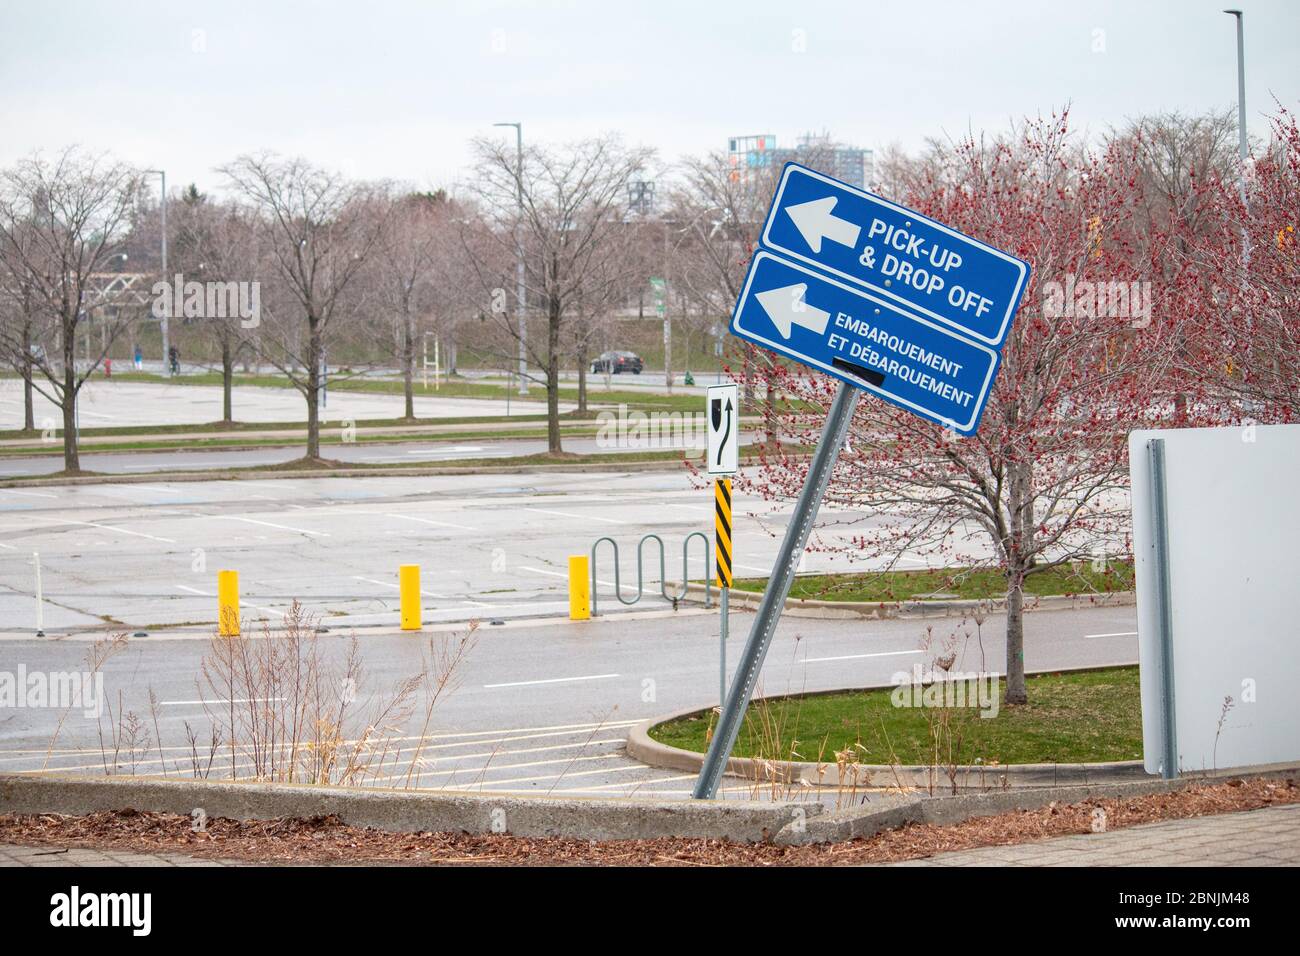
[722, 445]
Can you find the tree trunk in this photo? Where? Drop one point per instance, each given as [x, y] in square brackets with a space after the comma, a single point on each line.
[1020, 505]
[1016, 690]
[227, 381]
[553, 378]
[668, 347]
[313, 392]
[408, 363]
[29, 409]
[71, 454]
[582, 376]
[29, 412]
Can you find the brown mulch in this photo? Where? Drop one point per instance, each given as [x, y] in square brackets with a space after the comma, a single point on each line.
[328, 840]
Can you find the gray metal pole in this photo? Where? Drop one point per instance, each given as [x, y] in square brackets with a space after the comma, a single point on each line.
[40, 596]
[519, 257]
[1243, 146]
[519, 262]
[722, 657]
[1164, 607]
[166, 337]
[778, 589]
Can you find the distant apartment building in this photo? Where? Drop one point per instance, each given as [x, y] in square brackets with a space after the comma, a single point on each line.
[750, 155]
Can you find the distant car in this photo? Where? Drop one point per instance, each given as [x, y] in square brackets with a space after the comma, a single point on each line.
[615, 362]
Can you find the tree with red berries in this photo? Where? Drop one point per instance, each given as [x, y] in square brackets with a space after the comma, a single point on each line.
[1042, 484]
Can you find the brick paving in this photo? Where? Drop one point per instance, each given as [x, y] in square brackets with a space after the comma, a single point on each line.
[11, 855]
[1267, 837]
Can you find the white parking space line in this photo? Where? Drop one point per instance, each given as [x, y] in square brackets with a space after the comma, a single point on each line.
[483, 737]
[221, 700]
[642, 783]
[209, 594]
[444, 524]
[109, 527]
[269, 524]
[1115, 634]
[552, 680]
[398, 587]
[858, 657]
[477, 771]
[568, 514]
[558, 778]
[497, 754]
[558, 574]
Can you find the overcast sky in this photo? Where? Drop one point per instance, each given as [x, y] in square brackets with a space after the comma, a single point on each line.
[380, 88]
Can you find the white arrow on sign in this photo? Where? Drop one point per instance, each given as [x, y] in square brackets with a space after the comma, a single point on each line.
[787, 308]
[814, 221]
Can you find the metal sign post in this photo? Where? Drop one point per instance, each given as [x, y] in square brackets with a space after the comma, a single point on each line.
[778, 589]
[889, 302]
[722, 559]
[1164, 605]
[722, 454]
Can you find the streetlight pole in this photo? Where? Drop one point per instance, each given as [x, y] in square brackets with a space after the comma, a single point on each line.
[166, 278]
[1242, 148]
[519, 257]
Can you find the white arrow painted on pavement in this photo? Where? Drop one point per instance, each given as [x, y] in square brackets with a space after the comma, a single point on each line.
[815, 222]
[786, 308]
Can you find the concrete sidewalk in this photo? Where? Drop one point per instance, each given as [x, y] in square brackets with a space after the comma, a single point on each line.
[11, 855]
[1268, 837]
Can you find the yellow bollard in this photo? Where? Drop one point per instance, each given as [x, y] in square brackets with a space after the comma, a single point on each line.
[228, 603]
[579, 588]
[408, 585]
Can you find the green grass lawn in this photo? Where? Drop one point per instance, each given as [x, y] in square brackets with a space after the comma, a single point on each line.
[644, 401]
[1080, 717]
[966, 583]
[330, 435]
[609, 459]
[301, 426]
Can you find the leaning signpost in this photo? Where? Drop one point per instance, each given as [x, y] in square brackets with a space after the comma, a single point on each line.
[722, 410]
[886, 300]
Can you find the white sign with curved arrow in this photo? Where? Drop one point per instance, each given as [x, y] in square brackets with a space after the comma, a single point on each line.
[722, 408]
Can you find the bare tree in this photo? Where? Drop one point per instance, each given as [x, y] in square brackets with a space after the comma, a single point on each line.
[316, 231]
[720, 209]
[410, 273]
[1043, 481]
[62, 222]
[17, 321]
[570, 232]
[216, 243]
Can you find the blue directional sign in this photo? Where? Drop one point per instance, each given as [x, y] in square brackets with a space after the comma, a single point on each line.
[919, 264]
[865, 340]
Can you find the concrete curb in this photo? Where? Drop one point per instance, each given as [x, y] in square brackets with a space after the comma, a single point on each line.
[587, 819]
[907, 610]
[404, 811]
[977, 777]
[840, 825]
[415, 472]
